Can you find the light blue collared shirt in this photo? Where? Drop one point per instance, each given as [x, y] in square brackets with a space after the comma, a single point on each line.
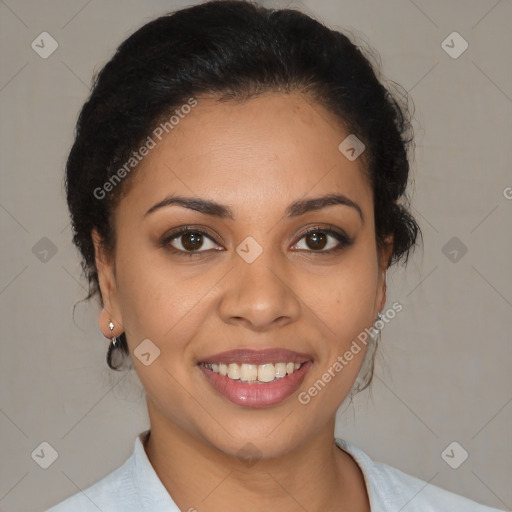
[135, 487]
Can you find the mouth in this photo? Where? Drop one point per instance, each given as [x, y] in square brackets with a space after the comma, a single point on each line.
[254, 378]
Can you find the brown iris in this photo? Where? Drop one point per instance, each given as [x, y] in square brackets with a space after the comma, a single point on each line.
[192, 241]
[319, 240]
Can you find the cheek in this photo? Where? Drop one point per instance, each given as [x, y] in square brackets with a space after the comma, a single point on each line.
[343, 305]
[160, 301]
[344, 297]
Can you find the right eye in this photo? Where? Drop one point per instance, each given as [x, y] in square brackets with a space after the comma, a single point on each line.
[190, 239]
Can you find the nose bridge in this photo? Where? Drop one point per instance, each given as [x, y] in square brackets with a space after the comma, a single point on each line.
[258, 269]
[258, 292]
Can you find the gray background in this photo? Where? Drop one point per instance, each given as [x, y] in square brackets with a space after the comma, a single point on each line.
[444, 367]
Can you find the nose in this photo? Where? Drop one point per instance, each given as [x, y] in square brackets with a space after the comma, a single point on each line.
[259, 295]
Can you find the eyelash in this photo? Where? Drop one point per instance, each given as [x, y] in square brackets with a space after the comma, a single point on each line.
[343, 240]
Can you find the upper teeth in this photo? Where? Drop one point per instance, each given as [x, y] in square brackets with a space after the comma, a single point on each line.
[253, 372]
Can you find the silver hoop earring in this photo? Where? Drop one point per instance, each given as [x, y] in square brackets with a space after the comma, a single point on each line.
[113, 339]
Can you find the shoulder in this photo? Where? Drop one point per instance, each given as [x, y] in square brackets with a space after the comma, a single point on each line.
[390, 489]
[114, 492]
[132, 487]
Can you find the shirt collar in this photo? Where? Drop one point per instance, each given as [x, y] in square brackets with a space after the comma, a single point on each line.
[152, 494]
[378, 493]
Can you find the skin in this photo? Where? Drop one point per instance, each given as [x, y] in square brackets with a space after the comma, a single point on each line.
[256, 157]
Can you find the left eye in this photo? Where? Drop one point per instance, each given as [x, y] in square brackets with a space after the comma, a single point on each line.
[317, 240]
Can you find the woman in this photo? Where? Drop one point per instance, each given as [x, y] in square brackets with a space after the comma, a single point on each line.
[237, 192]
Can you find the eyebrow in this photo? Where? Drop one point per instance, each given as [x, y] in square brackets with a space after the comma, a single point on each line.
[295, 209]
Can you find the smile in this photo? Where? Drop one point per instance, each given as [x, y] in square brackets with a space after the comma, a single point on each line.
[256, 378]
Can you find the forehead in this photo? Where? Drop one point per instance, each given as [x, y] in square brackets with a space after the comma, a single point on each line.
[272, 149]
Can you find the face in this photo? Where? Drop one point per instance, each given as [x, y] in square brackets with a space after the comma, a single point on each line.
[251, 289]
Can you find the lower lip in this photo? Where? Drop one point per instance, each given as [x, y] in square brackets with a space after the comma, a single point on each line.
[256, 395]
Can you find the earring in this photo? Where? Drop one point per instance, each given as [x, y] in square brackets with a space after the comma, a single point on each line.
[375, 331]
[114, 339]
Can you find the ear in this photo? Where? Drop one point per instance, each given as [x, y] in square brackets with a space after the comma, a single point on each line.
[105, 267]
[385, 254]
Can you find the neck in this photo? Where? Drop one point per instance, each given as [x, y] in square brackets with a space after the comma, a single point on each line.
[317, 475]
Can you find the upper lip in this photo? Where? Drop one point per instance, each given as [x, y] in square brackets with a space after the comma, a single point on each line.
[257, 357]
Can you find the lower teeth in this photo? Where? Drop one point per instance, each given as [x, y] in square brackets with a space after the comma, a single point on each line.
[256, 381]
